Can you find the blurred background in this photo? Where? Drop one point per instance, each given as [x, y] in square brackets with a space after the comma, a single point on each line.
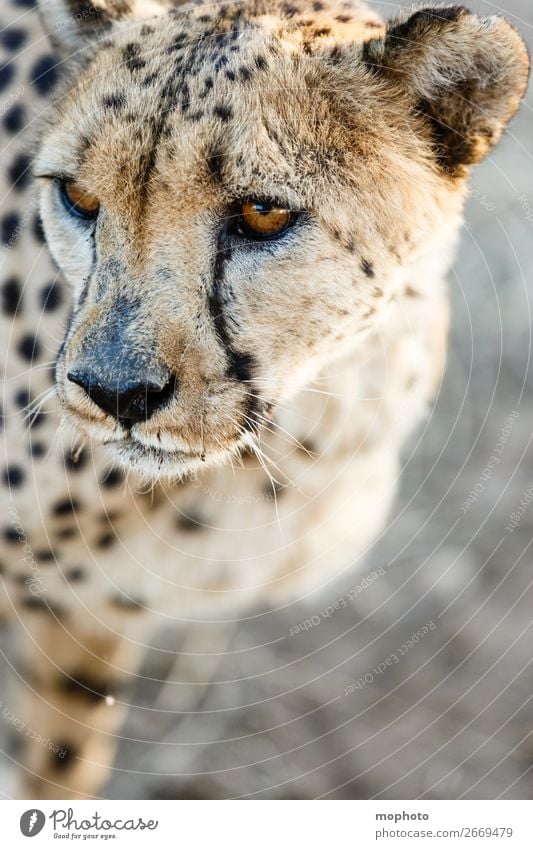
[354, 706]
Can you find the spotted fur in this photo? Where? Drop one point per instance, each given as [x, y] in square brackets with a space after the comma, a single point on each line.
[320, 351]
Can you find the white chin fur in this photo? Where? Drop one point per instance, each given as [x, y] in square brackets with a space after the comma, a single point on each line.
[153, 464]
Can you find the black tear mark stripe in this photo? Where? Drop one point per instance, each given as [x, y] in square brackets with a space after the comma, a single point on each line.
[241, 365]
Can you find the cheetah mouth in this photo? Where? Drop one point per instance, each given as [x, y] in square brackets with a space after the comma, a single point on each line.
[133, 452]
[157, 462]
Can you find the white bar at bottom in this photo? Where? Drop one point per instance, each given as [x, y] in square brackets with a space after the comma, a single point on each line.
[268, 824]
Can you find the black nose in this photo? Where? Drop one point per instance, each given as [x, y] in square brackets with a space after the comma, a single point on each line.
[129, 400]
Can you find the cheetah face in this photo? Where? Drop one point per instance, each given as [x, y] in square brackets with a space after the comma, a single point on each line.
[235, 196]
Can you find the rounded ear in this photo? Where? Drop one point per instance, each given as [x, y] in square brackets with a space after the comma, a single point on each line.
[464, 73]
[74, 24]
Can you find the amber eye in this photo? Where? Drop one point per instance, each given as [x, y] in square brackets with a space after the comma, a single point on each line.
[263, 220]
[79, 202]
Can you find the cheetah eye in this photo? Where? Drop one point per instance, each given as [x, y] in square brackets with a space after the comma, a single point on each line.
[261, 220]
[78, 202]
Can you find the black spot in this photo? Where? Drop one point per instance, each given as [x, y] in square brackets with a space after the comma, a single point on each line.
[66, 533]
[45, 555]
[7, 73]
[82, 686]
[38, 231]
[150, 79]
[37, 449]
[51, 297]
[11, 535]
[13, 38]
[66, 507]
[114, 101]
[34, 602]
[343, 19]
[75, 575]
[230, 75]
[44, 74]
[274, 489]
[65, 757]
[318, 6]
[132, 58]
[113, 477]
[10, 228]
[11, 297]
[245, 74]
[76, 461]
[26, 4]
[29, 347]
[307, 447]
[19, 171]
[106, 540]
[177, 44]
[14, 476]
[261, 63]
[220, 63]
[190, 522]
[368, 268]
[22, 398]
[289, 10]
[223, 112]
[335, 55]
[14, 119]
[35, 420]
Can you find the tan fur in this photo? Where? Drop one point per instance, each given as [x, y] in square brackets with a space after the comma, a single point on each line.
[363, 128]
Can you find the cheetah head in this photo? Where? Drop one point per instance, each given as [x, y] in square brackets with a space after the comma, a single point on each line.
[237, 192]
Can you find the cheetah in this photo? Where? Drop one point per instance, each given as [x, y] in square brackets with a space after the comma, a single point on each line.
[226, 230]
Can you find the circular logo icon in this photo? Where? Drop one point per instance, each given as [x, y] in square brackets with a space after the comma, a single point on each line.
[32, 822]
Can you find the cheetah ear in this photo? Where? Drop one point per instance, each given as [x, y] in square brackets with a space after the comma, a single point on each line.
[74, 24]
[464, 73]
